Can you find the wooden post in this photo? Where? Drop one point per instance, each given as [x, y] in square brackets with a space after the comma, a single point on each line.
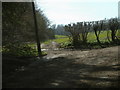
[36, 31]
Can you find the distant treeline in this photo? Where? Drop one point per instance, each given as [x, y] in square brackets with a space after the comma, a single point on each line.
[59, 29]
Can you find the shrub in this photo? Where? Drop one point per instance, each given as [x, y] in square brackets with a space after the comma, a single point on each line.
[19, 50]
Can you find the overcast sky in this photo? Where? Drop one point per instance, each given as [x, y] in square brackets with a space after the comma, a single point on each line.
[72, 11]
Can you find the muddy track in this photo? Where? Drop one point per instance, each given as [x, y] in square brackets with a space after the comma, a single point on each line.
[70, 69]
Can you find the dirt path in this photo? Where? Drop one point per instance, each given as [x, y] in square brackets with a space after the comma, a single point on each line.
[70, 69]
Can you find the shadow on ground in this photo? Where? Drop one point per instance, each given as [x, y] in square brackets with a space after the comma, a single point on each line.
[62, 72]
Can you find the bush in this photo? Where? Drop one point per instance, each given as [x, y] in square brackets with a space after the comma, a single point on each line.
[19, 50]
[66, 45]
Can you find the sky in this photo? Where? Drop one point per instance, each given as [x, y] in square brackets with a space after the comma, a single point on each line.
[72, 11]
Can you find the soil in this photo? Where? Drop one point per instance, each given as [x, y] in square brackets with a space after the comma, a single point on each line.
[96, 68]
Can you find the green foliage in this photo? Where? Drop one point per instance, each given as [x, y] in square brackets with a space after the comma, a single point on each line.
[66, 44]
[15, 21]
[18, 23]
[60, 36]
[25, 50]
[44, 53]
[19, 50]
[18, 28]
[118, 34]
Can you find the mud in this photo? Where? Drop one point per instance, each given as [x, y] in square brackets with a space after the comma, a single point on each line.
[70, 69]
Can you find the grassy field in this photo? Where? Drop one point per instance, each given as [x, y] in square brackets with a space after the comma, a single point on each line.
[102, 36]
[59, 39]
[60, 36]
[64, 40]
[91, 37]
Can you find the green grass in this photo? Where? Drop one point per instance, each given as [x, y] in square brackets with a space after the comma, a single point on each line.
[118, 33]
[91, 38]
[59, 39]
[102, 36]
[60, 36]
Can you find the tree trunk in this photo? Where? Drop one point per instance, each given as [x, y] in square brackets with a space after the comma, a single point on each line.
[36, 32]
[113, 35]
[97, 37]
[75, 40]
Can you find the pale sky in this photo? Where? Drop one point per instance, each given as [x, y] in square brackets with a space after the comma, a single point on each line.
[72, 11]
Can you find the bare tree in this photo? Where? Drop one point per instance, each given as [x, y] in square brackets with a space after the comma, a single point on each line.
[98, 27]
[73, 29]
[113, 26]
